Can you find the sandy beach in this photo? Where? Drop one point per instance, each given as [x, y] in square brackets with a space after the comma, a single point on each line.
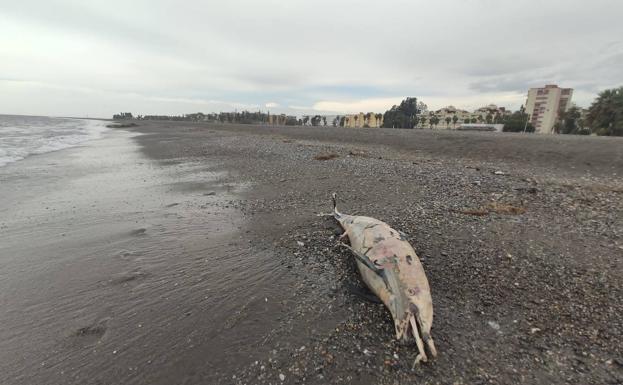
[187, 253]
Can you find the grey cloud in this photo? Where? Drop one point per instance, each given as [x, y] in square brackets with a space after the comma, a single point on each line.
[76, 17]
[297, 52]
[511, 82]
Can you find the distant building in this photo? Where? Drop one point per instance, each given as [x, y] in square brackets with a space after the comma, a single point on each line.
[282, 120]
[490, 112]
[451, 117]
[277, 120]
[544, 106]
[362, 120]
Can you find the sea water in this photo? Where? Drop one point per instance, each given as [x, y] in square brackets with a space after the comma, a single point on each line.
[21, 136]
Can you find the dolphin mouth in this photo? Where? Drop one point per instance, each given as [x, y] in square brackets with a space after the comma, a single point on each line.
[422, 339]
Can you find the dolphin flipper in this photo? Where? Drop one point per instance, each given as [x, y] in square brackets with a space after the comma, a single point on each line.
[368, 263]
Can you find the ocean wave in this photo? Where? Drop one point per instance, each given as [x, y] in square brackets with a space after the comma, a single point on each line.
[21, 136]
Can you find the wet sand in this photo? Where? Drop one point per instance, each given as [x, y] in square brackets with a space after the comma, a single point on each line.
[120, 269]
[194, 255]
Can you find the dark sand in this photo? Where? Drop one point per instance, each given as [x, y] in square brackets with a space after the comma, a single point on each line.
[181, 263]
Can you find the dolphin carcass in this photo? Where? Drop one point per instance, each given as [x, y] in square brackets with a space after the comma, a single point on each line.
[391, 269]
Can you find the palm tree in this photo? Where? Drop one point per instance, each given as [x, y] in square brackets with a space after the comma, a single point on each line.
[605, 115]
[448, 120]
[454, 120]
[434, 120]
[423, 121]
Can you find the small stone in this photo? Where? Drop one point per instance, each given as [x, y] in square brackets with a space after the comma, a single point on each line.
[494, 325]
[301, 244]
[282, 376]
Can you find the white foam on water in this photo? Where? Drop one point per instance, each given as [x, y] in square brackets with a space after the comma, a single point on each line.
[21, 136]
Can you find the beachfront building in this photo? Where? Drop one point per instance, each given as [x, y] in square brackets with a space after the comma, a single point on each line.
[361, 120]
[451, 117]
[544, 106]
[490, 113]
[444, 118]
[282, 120]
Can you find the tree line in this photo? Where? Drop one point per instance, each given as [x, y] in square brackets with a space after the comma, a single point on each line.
[409, 114]
[242, 117]
[604, 117]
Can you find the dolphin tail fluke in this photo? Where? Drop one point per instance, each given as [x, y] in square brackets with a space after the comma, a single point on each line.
[336, 213]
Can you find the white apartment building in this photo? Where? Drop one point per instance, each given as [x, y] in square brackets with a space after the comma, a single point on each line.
[544, 106]
[451, 117]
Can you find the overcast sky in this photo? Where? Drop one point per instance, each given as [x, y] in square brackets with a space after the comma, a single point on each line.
[97, 57]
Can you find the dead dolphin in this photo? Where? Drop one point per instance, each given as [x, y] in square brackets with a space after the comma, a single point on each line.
[391, 269]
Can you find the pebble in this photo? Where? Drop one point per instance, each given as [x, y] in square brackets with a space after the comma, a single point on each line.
[494, 325]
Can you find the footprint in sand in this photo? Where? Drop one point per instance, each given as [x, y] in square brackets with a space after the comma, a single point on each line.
[138, 232]
[90, 334]
[126, 277]
[126, 255]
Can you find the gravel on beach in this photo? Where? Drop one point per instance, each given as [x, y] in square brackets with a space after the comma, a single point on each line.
[520, 237]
